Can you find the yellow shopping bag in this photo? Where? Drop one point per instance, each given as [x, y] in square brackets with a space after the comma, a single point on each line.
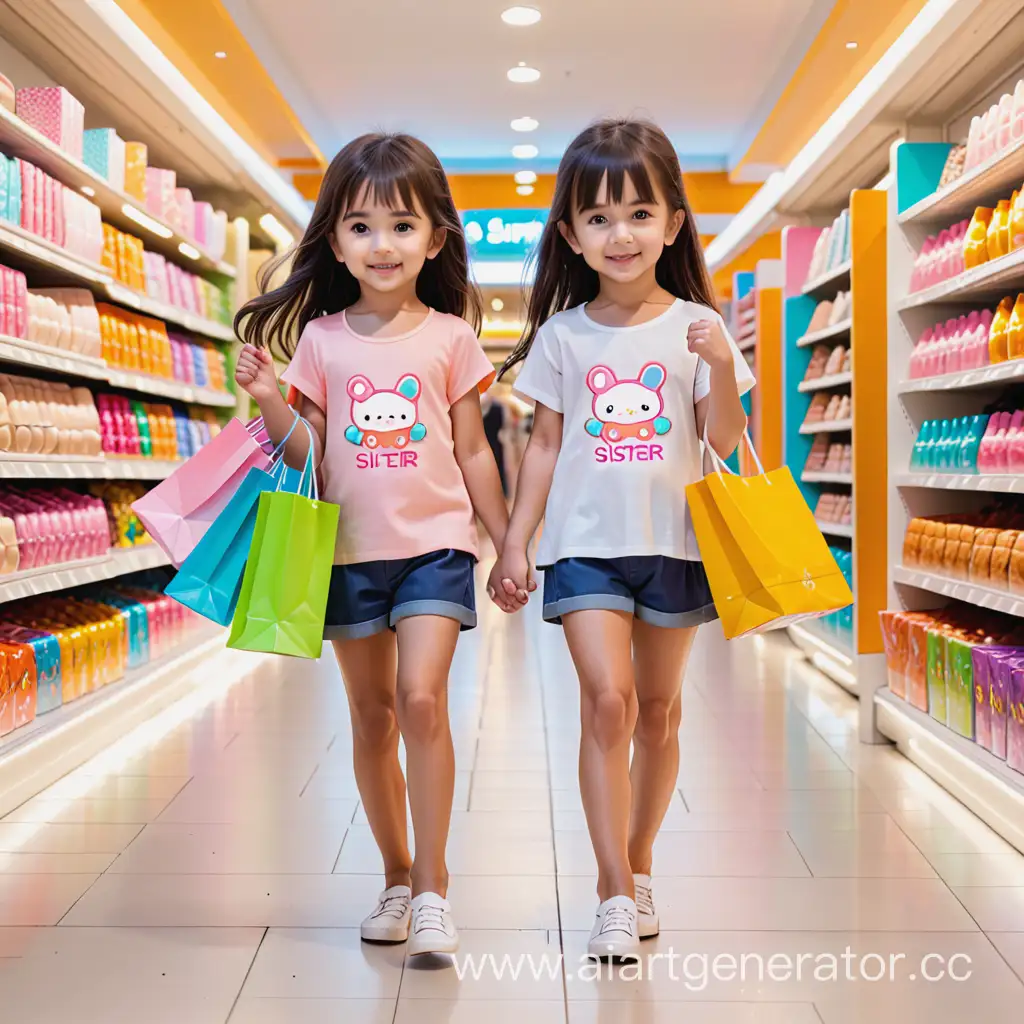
[766, 560]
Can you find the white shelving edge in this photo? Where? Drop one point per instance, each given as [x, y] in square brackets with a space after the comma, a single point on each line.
[47, 579]
[41, 357]
[830, 281]
[821, 477]
[35, 757]
[978, 282]
[835, 529]
[978, 779]
[21, 140]
[80, 467]
[961, 590]
[1007, 483]
[81, 272]
[826, 653]
[838, 330]
[985, 376]
[826, 426]
[833, 380]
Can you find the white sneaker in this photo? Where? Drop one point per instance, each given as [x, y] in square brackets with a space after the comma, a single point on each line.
[615, 929]
[389, 921]
[433, 929]
[646, 914]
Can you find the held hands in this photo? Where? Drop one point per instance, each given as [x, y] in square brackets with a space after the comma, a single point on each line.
[254, 373]
[706, 339]
[511, 581]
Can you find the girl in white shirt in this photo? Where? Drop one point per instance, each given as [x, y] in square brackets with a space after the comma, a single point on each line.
[629, 363]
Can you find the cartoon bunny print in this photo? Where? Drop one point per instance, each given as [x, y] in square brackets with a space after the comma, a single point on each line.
[384, 419]
[627, 409]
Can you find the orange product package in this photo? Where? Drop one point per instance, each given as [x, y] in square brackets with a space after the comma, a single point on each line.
[1016, 230]
[998, 351]
[917, 661]
[6, 697]
[136, 158]
[998, 238]
[1015, 330]
[21, 673]
[976, 239]
[109, 257]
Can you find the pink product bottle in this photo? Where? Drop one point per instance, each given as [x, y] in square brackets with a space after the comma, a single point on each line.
[8, 314]
[992, 452]
[1015, 443]
[971, 158]
[1017, 124]
[917, 357]
[1004, 121]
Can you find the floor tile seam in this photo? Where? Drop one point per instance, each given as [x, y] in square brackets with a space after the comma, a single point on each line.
[796, 846]
[248, 971]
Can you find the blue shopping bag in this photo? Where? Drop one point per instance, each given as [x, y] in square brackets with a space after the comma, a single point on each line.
[210, 578]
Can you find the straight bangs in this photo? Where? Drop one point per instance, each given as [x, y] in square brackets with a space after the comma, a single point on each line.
[602, 173]
[390, 183]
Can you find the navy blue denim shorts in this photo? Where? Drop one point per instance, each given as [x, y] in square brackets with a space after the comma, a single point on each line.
[670, 592]
[369, 597]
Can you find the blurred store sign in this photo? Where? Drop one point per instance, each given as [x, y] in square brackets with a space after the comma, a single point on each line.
[502, 235]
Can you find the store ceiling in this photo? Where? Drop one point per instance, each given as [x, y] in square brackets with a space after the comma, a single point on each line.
[708, 72]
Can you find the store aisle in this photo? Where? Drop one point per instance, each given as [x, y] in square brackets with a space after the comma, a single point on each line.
[222, 872]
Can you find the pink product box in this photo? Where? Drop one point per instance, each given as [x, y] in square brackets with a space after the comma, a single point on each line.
[1015, 721]
[160, 186]
[185, 212]
[941, 257]
[83, 227]
[54, 112]
[203, 223]
[28, 197]
[13, 303]
[217, 243]
[56, 526]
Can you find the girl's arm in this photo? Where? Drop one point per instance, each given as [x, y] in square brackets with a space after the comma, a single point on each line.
[721, 411]
[532, 489]
[479, 470]
[255, 374]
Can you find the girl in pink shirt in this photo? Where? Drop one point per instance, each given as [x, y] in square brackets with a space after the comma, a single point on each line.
[389, 372]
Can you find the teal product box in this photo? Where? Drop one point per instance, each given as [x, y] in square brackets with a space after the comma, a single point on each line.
[137, 626]
[103, 151]
[46, 651]
[14, 191]
[3, 186]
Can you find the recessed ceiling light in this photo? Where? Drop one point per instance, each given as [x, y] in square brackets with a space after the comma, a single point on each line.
[522, 75]
[851, 45]
[526, 177]
[524, 190]
[524, 124]
[527, 152]
[497, 305]
[220, 54]
[520, 16]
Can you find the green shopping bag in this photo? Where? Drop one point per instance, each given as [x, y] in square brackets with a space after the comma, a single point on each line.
[283, 599]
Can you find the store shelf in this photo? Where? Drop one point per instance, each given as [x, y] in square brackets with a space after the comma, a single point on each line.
[985, 376]
[826, 285]
[987, 786]
[828, 653]
[41, 357]
[1006, 483]
[49, 578]
[747, 344]
[826, 426]
[1000, 174]
[989, 281]
[62, 268]
[82, 467]
[821, 477]
[961, 590]
[834, 380]
[844, 530]
[836, 331]
[20, 140]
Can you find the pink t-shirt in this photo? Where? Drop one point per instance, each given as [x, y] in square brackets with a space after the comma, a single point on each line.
[389, 459]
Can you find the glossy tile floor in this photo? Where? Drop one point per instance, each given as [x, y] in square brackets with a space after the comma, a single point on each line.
[220, 873]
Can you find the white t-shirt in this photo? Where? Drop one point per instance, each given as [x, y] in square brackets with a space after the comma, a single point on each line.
[629, 437]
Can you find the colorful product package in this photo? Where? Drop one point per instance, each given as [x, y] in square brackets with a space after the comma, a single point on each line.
[136, 156]
[917, 663]
[46, 654]
[21, 682]
[936, 646]
[960, 686]
[1015, 720]
[6, 697]
[103, 151]
[999, 697]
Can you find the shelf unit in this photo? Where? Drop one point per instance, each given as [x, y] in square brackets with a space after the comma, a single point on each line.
[847, 656]
[81, 467]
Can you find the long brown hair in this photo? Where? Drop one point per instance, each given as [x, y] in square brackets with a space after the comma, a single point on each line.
[611, 149]
[394, 167]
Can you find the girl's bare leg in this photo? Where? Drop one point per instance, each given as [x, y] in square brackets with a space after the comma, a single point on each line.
[369, 668]
[659, 661]
[426, 644]
[600, 643]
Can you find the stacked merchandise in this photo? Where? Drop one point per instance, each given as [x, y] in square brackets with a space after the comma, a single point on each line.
[828, 456]
[744, 320]
[35, 202]
[40, 417]
[993, 232]
[64, 318]
[965, 668]
[825, 408]
[831, 312]
[832, 249]
[834, 509]
[828, 362]
[56, 649]
[995, 131]
[136, 429]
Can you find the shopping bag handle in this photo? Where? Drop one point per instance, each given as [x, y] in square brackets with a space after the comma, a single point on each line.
[720, 464]
[308, 487]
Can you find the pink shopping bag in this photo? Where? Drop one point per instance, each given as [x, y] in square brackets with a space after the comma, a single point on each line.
[178, 511]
